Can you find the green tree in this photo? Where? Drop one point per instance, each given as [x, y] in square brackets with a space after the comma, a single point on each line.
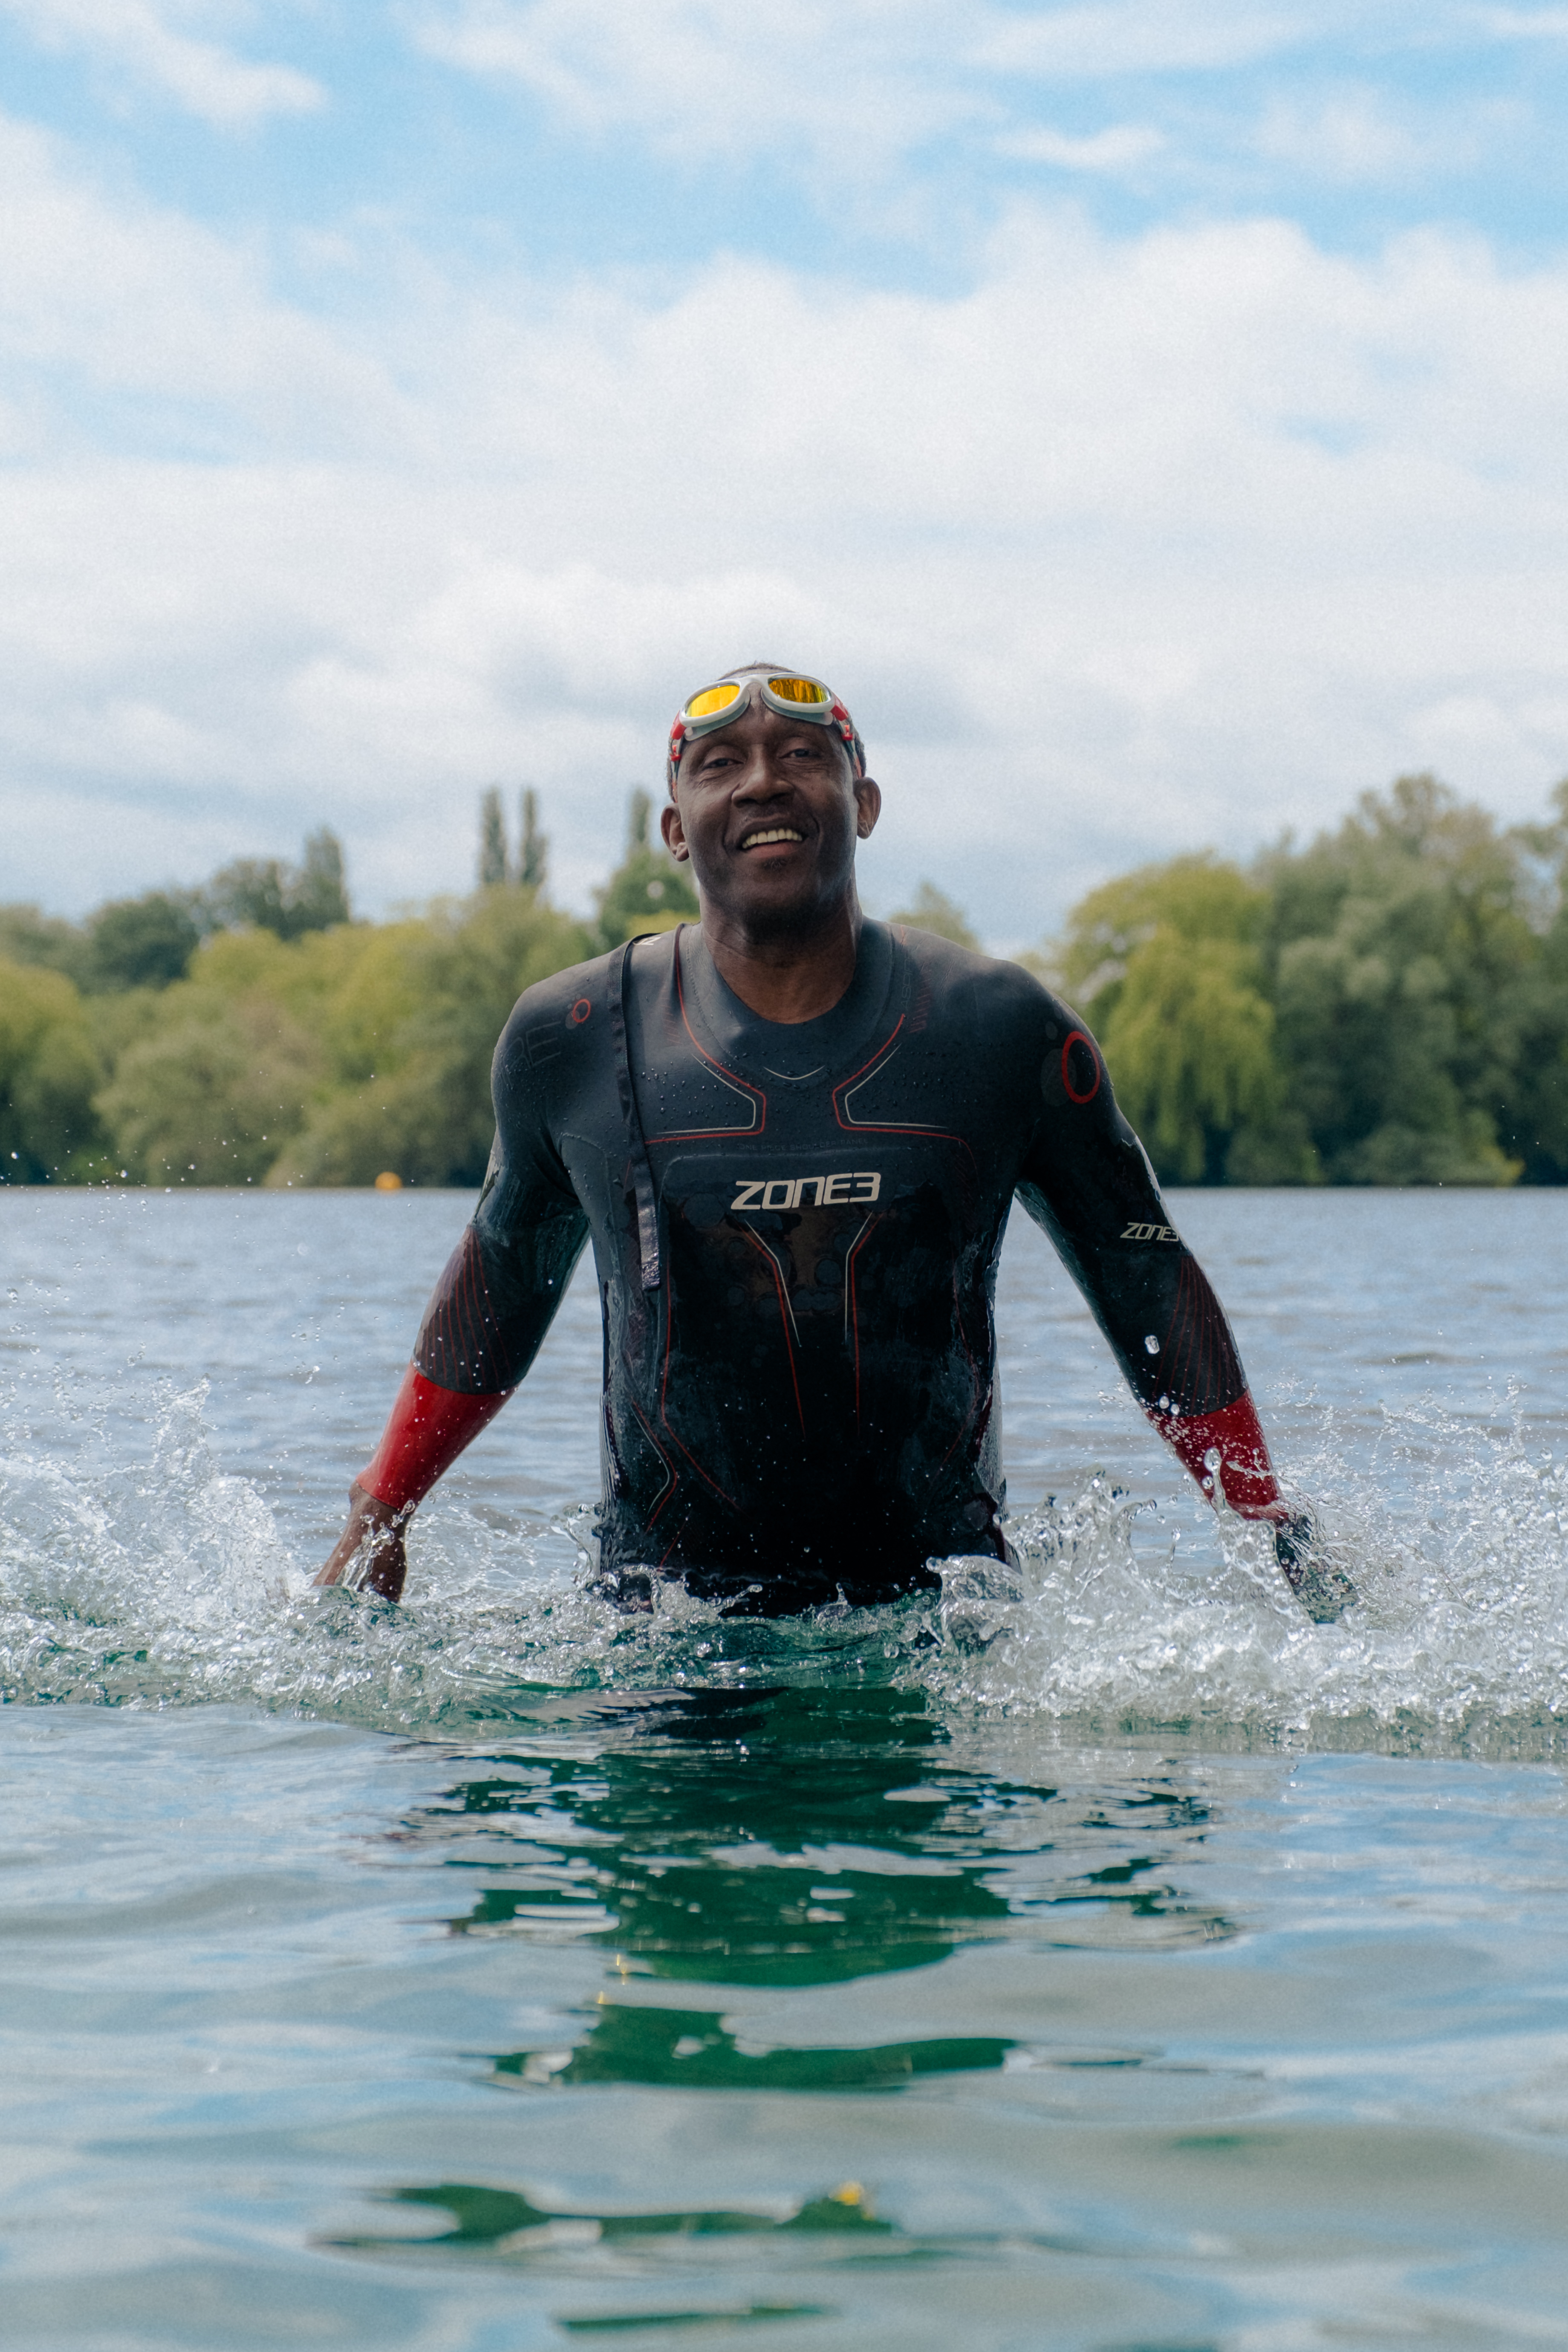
[425, 1111]
[1398, 946]
[28, 935]
[145, 942]
[534, 856]
[1166, 966]
[213, 1093]
[49, 1132]
[1526, 1051]
[328, 1059]
[1388, 1004]
[1197, 896]
[148, 941]
[647, 891]
[318, 895]
[214, 1078]
[932, 910]
[284, 900]
[249, 892]
[1190, 1047]
[492, 842]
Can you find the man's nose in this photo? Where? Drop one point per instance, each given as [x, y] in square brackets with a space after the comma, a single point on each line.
[759, 778]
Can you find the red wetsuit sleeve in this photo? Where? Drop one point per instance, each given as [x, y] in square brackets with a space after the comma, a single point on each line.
[426, 1431]
[1246, 1474]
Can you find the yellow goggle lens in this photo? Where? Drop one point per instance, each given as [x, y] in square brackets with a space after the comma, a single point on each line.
[800, 689]
[712, 699]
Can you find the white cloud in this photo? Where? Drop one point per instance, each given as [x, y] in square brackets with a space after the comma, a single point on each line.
[842, 85]
[1352, 138]
[1134, 544]
[145, 39]
[1523, 23]
[1120, 148]
[149, 315]
[1120, 36]
[705, 76]
[847, 97]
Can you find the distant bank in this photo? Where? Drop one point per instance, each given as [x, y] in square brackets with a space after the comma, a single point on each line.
[1385, 1005]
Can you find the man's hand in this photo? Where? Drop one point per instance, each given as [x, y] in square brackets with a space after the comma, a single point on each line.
[368, 1555]
[1319, 1583]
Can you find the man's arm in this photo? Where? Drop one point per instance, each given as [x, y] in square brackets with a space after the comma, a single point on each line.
[426, 1430]
[485, 1323]
[1086, 1181]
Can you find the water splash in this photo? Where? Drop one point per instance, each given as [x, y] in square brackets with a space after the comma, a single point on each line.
[168, 1583]
[1457, 1546]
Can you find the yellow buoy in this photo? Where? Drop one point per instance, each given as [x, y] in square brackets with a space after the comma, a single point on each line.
[387, 1182]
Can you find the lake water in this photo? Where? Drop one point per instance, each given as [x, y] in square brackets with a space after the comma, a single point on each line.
[1127, 1964]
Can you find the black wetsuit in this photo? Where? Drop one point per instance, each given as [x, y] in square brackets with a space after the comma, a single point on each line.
[797, 1229]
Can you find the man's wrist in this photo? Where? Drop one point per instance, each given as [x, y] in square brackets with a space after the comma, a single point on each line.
[372, 1511]
[426, 1430]
[1228, 1455]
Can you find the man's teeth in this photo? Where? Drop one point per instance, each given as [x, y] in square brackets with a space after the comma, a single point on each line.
[773, 832]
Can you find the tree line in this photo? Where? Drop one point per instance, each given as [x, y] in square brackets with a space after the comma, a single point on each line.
[1387, 1005]
[251, 1032]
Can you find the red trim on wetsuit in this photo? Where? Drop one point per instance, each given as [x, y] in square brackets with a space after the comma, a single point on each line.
[1246, 1474]
[426, 1430]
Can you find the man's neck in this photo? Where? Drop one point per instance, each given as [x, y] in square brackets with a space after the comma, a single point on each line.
[788, 976]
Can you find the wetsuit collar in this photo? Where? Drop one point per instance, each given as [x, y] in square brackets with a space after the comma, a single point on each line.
[792, 1051]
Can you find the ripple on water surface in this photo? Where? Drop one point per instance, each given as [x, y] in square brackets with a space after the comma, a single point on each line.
[167, 1581]
[1010, 1968]
[674, 2009]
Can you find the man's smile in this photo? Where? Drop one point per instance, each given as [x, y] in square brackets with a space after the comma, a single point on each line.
[761, 836]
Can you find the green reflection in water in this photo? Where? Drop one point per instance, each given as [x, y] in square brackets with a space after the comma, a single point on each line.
[690, 2049]
[798, 1837]
[765, 1923]
[752, 2311]
[502, 2221]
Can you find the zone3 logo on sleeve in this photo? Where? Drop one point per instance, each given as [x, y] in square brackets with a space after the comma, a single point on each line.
[1136, 1232]
[789, 1192]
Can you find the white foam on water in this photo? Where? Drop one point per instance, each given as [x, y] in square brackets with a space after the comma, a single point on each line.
[1457, 1543]
[167, 1583]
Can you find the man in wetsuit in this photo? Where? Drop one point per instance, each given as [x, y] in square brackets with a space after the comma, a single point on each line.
[793, 1136]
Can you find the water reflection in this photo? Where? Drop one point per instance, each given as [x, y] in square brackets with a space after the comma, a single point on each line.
[801, 1837]
[692, 2050]
[504, 2221]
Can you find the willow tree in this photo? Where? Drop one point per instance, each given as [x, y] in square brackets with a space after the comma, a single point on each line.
[1407, 957]
[1165, 963]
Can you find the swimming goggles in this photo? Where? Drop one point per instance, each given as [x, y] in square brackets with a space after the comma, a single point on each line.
[791, 696]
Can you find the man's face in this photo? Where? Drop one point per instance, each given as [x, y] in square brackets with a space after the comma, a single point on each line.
[769, 813]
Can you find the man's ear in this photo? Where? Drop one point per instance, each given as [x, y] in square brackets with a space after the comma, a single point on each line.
[674, 833]
[868, 804]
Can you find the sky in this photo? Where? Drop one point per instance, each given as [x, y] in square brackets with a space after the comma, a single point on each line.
[1150, 417]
